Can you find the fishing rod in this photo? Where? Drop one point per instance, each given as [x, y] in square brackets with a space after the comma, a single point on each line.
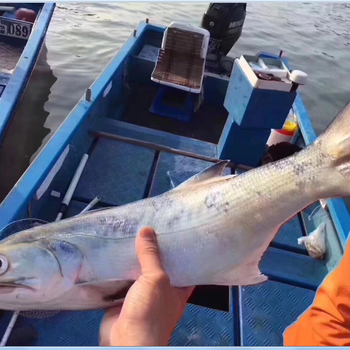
[72, 186]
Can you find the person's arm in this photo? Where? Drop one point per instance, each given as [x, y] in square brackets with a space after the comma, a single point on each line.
[152, 306]
[327, 321]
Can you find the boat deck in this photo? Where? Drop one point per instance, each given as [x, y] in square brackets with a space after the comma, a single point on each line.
[120, 172]
[206, 124]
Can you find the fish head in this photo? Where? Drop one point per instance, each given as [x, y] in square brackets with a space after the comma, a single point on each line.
[34, 273]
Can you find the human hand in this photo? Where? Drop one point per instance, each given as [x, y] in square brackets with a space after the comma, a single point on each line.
[152, 306]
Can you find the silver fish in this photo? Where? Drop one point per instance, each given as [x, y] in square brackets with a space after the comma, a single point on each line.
[212, 229]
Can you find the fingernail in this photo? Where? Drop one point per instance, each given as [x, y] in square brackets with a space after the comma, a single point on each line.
[147, 233]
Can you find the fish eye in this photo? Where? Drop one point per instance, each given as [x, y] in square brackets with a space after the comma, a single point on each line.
[3, 264]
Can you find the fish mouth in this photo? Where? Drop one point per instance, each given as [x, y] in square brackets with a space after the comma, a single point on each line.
[16, 283]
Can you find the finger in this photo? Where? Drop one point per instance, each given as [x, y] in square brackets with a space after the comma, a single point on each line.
[108, 321]
[148, 252]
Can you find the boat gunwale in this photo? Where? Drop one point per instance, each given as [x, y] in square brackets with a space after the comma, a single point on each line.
[22, 72]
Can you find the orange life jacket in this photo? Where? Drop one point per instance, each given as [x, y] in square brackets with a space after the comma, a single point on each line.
[327, 321]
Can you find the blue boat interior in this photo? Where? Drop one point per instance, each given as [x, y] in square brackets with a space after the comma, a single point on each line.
[136, 153]
[7, 19]
[21, 42]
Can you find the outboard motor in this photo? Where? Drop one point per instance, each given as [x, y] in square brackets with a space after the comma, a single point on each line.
[224, 21]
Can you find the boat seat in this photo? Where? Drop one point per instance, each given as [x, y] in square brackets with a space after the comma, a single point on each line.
[181, 59]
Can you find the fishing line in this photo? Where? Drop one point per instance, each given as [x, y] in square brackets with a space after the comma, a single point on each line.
[312, 213]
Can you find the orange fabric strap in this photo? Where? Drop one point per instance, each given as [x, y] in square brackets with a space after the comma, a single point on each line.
[327, 321]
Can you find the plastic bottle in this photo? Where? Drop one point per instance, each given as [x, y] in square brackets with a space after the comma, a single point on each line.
[285, 134]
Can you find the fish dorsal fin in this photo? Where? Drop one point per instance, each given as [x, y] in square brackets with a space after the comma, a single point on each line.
[213, 180]
[207, 175]
[93, 211]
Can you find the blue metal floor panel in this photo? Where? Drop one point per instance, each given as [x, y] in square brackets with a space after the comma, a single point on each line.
[201, 326]
[266, 310]
[125, 178]
[67, 328]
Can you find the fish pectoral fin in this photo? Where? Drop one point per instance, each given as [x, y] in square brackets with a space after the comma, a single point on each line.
[241, 275]
[92, 295]
[209, 173]
[108, 291]
[94, 211]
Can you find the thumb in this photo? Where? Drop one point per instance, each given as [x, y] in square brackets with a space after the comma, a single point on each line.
[147, 251]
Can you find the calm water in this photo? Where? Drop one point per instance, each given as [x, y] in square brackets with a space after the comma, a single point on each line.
[82, 38]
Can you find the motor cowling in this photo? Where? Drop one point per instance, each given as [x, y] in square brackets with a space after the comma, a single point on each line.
[224, 21]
